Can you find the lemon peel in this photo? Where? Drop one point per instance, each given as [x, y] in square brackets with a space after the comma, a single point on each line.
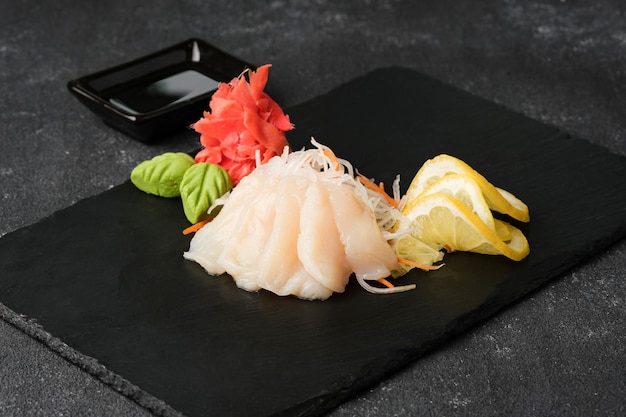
[497, 199]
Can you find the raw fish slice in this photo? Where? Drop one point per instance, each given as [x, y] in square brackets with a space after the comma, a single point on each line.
[204, 250]
[208, 242]
[320, 248]
[279, 259]
[367, 252]
[244, 248]
[280, 269]
[303, 285]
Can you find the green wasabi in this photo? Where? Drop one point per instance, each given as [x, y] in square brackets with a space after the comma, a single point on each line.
[163, 174]
[202, 184]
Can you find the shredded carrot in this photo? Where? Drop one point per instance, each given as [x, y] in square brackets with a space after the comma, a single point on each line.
[385, 282]
[419, 265]
[369, 184]
[195, 227]
[332, 156]
[381, 185]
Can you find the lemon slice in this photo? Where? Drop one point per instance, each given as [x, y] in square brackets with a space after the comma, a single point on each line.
[441, 221]
[497, 199]
[412, 249]
[503, 230]
[465, 190]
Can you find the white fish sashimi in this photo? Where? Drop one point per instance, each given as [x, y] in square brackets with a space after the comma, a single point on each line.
[301, 225]
[280, 269]
[366, 251]
[279, 262]
[243, 250]
[208, 242]
[319, 246]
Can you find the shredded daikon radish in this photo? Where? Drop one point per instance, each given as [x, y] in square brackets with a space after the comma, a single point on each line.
[378, 290]
[317, 165]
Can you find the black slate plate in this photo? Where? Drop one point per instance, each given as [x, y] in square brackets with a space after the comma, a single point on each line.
[107, 277]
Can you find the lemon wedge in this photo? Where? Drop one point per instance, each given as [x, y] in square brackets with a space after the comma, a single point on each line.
[442, 165]
[462, 188]
[442, 221]
[411, 248]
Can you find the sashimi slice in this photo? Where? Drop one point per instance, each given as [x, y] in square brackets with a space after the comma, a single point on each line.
[208, 243]
[303, 285]
[244, 248]
[320, 248]
[367, 252]
[280, 269]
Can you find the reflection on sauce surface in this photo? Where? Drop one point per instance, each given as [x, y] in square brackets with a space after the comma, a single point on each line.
[166, 92]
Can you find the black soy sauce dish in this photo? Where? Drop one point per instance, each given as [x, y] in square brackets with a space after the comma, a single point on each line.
[160, 93]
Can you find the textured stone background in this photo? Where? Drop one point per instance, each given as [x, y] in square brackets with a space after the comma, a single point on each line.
[560, 351]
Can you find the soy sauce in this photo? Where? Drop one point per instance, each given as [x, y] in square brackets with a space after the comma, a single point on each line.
[164, 93]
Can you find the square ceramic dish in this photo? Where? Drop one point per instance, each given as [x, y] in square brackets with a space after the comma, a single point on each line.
[160, 93]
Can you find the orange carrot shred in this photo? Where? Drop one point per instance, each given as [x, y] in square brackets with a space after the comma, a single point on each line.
[332, 156]
[369, 184]
[195, 227]
[419, 265]
[385, 282]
